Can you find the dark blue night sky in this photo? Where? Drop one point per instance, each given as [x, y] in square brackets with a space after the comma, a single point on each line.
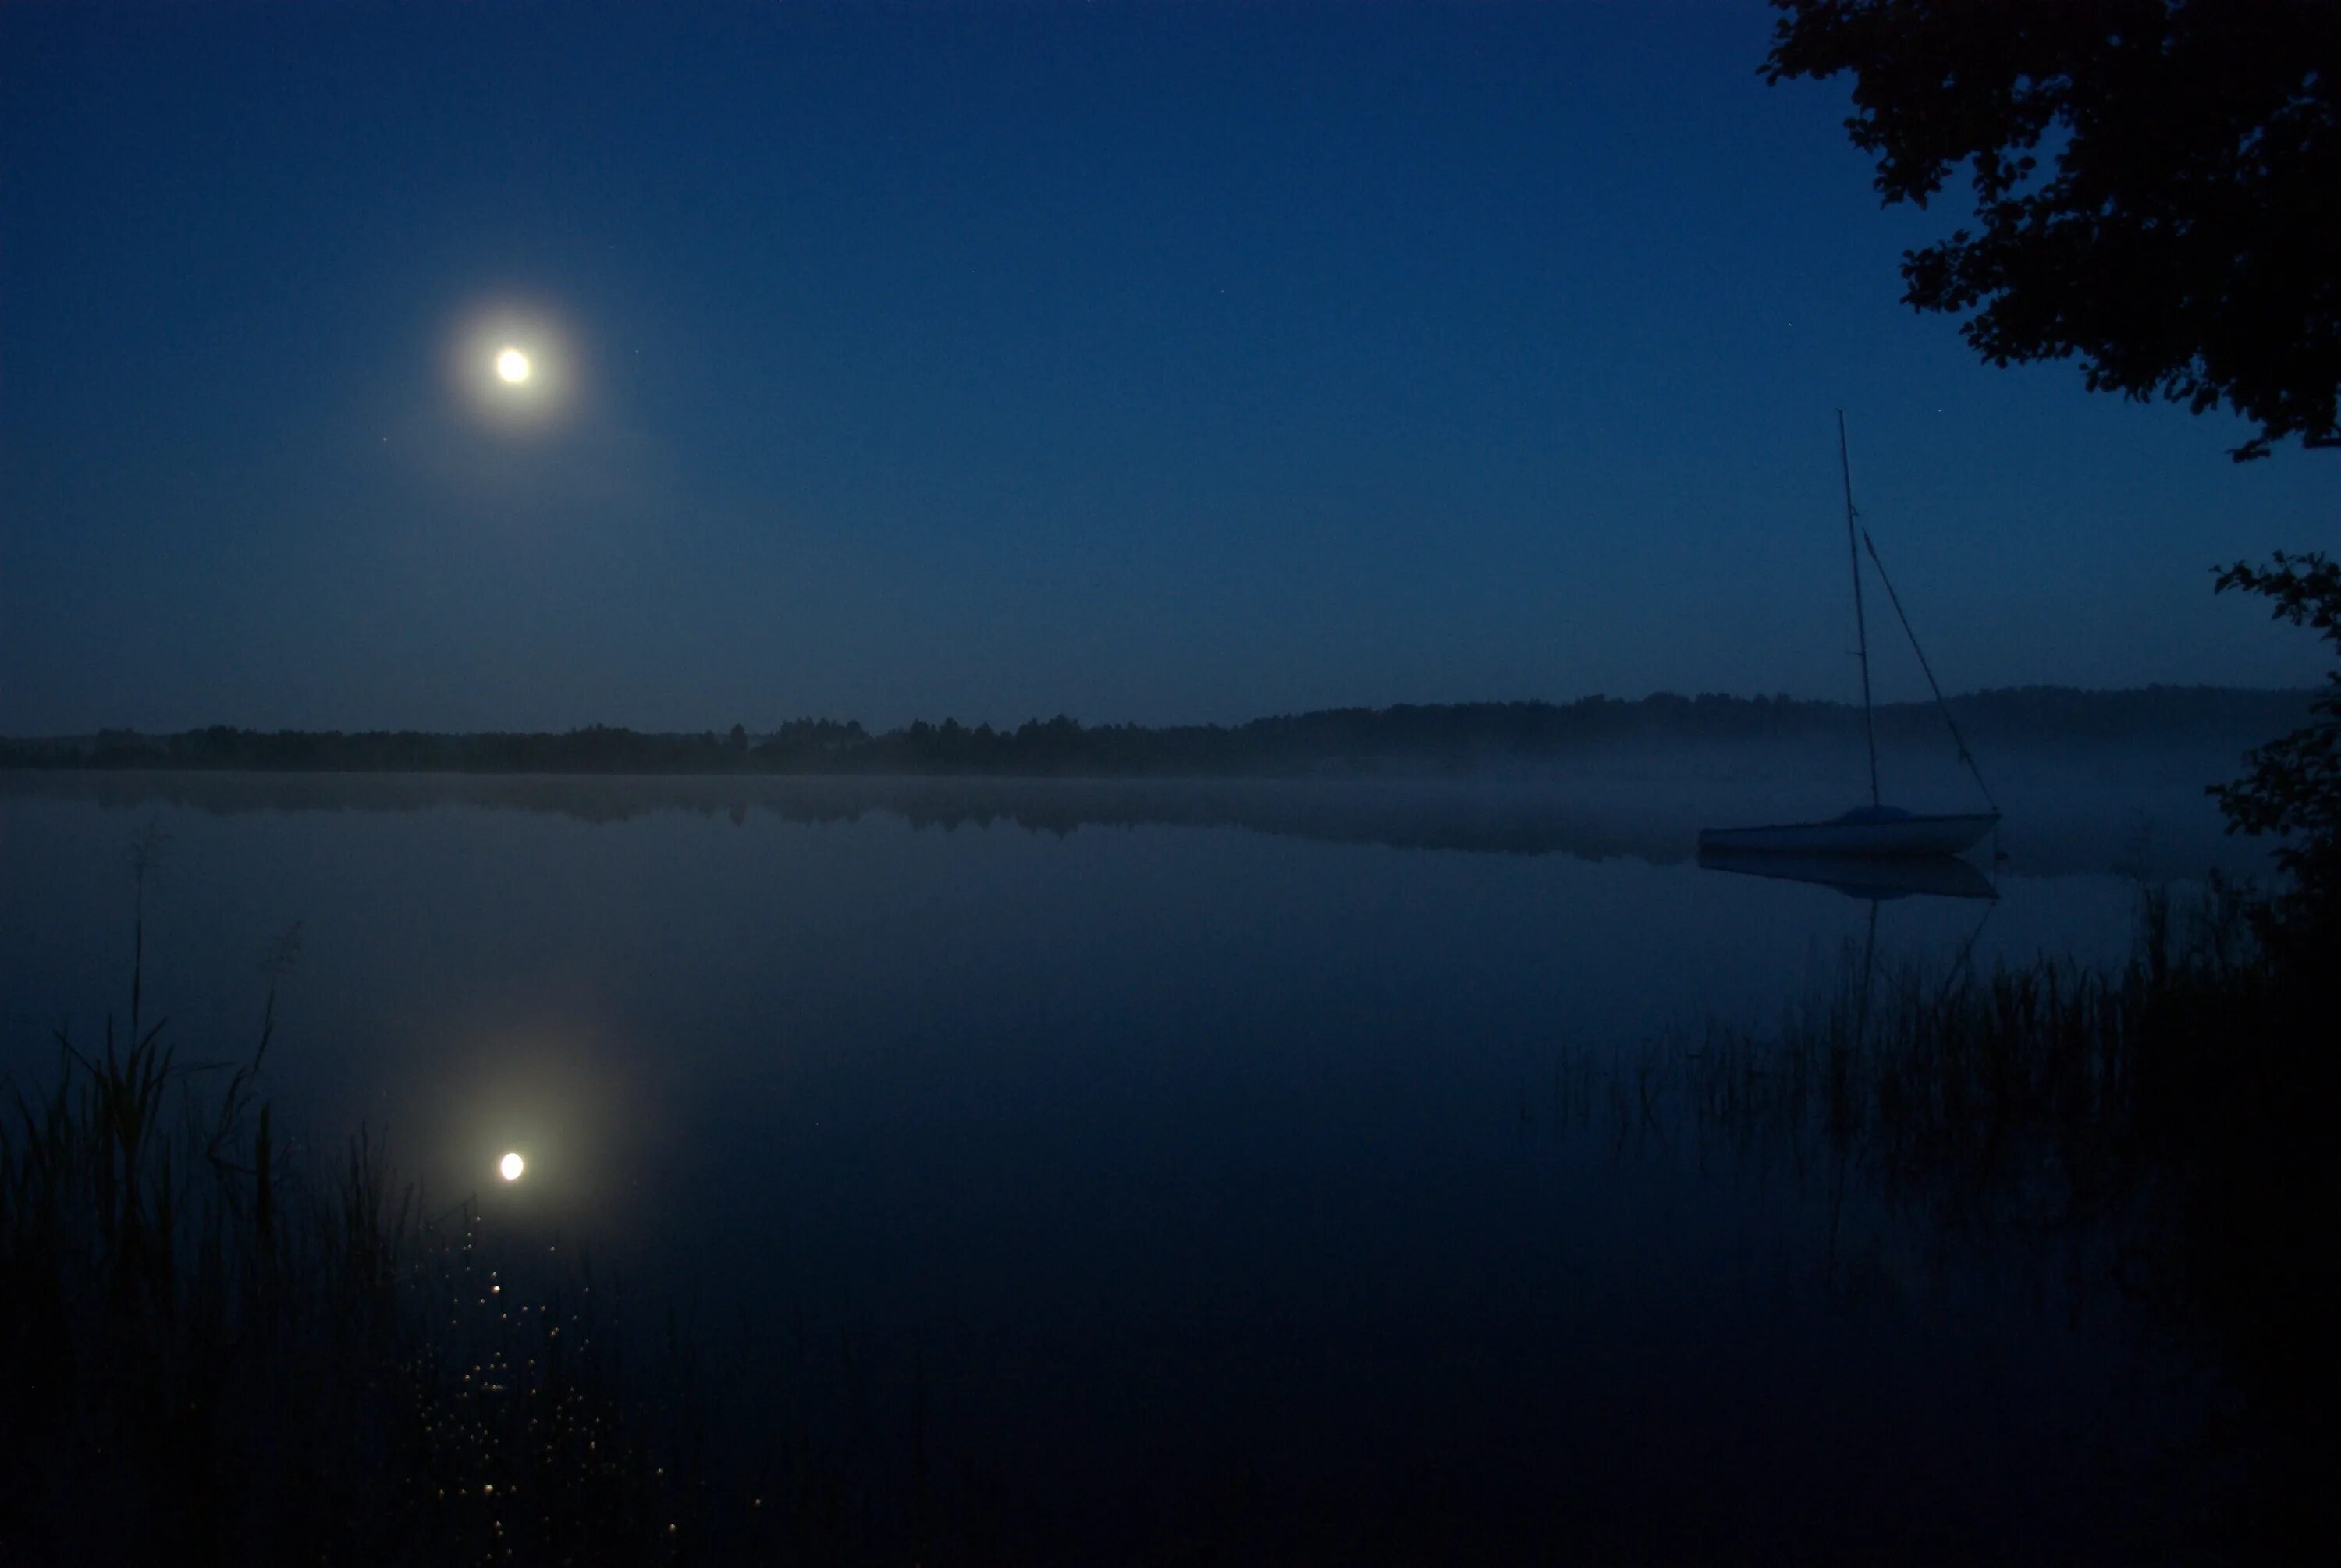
[1134, 361]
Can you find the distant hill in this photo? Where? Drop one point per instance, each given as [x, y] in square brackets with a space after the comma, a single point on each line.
[1404, 738]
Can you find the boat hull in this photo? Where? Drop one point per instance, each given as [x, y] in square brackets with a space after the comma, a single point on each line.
[1899, 835]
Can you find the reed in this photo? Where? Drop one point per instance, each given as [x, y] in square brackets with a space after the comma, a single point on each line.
[215, 1352]
[2157, 1131]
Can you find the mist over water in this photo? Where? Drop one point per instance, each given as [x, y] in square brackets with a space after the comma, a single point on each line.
[2135, 807]
[1131, 1153]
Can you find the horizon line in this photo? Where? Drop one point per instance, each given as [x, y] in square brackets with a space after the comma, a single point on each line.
[1010, 728]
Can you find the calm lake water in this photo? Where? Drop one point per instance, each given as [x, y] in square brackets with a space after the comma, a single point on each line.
[1203, 1168]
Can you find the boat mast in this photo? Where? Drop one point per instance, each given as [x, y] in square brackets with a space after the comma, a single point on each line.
[1860, 625]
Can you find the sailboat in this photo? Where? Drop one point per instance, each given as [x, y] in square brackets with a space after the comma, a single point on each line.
[1876, 829]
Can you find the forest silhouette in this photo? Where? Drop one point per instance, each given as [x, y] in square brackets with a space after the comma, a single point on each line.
[1402, 737]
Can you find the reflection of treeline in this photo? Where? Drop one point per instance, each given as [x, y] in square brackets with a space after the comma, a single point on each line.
[1624, 811]
[1451, 736]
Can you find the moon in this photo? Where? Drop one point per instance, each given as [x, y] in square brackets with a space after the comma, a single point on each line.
[515, 368]
[510, 1165]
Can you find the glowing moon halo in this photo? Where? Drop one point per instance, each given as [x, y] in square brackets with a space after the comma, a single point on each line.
[510, 1166]
[515, 370]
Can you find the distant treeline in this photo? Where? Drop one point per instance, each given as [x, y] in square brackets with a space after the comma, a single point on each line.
[1341, 739]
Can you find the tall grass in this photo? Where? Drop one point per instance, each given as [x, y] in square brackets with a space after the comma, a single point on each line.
[2166, 1124]
[215, 1352]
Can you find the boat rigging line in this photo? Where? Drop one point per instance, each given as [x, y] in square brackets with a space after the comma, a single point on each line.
[1932, 684]
[1860, 623]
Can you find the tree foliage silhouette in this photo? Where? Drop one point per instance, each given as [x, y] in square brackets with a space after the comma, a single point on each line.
[2293, 787]
[2184, 240]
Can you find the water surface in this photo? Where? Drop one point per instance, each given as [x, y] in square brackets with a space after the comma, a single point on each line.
[1157, 1167]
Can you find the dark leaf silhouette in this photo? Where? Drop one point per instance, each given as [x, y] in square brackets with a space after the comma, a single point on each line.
[2156, 182]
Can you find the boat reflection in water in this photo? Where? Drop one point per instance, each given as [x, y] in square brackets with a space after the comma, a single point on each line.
[1880, 832]
[1866, 877]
